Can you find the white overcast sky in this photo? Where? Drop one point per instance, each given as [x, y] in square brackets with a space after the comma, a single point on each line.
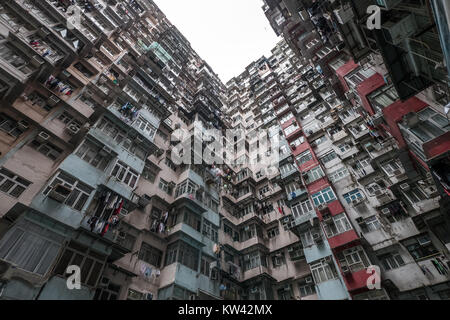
[227, 34]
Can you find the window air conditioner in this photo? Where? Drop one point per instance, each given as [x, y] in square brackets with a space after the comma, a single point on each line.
[322, 207]
[308, 280]
[345, 269]
[357, 201]
[328, 260]
[60, 193]
[378, 193]
[386, 211]
[327, 218]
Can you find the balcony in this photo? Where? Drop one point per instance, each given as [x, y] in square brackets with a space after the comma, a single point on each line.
[376, 150]
[296, 194]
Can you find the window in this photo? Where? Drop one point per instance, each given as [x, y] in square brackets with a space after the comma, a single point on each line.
[192, 220]
[273, 232]
[328, 157]
[338, 174]
[150, 255]
[420, 246]
[415, 194]
[210, 231]
[300, 208]
[80, 191]
[12, 184]
[134, 295]
[125, 174]
[30, 247]
[340, 225]
[48, 149]
[298, 141]
[391, 261]
[150, 172]
[68, 119]
[10, 126]
[37, 99]
[352, 195]
[371, 224]
[391, 166]
[286, 168]
[324, 196]
[170, 164]
[186, 187]
[383, 97]
[431, 125]
[323, 271]
[278, 259]
[304, 157]
[320, 140]
[94, 155]
[291, 129]
[90, 262]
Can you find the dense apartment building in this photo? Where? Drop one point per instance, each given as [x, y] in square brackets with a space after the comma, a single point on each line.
[385, 151]
[328, 158]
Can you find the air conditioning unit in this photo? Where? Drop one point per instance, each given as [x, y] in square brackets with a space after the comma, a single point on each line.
[322, 207]
[23, 125]
[411, 119]
[386, 211]
[379, 193]
[105, 151]
[293, 146]
[328, 260]
[396, 31]
[308, 280]
[42, 136]
[360, 220]
[388, 4]
[397, 172]
[60, 193]
[72, 129]
[404, 187]
[53, 101]
[36, 61]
